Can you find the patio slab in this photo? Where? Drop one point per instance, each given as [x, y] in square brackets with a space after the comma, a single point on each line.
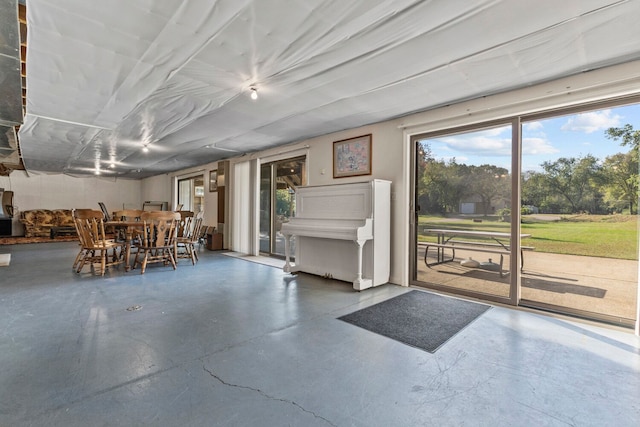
[599, 285]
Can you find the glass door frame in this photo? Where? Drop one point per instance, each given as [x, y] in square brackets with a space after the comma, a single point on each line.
[195, 200]
[516, 121]
[273, 198]
[515, 256]
[270, 209]
[590, 315]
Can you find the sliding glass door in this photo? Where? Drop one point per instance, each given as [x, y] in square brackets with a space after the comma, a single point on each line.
[278, 183]
[191, 193]
[266, 196]
[540, 212]
[580, 202]
[463, 194]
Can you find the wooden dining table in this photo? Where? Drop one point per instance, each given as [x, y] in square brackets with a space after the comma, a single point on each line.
[129, 227]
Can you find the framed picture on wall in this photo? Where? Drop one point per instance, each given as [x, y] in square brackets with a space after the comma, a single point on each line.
[213, 181]
[352, 157]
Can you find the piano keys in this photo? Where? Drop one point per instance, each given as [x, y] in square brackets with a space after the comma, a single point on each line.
[342, 231]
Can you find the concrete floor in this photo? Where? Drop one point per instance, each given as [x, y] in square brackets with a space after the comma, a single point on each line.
[236, 343]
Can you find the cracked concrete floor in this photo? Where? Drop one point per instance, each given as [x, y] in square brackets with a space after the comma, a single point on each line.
[236, 343]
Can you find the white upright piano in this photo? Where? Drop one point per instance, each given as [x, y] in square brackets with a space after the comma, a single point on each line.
[342, 232]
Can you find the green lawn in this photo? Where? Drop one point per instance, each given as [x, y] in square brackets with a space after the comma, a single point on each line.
[607, 236]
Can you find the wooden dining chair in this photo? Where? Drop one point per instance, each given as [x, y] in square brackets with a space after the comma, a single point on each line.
[187, 244]
[96, 248]
[81, 252]
[184, 226]
[157, 240]
[204, 232]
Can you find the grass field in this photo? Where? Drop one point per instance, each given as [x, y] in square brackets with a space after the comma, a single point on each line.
[606, 236]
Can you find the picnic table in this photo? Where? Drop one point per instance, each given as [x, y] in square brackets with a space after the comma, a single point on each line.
[485, 241]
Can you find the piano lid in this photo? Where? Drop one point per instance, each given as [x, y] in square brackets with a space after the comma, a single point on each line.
[343, 201]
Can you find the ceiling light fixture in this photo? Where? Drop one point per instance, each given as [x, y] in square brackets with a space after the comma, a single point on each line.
[254, 93]
[224, 149]
[145, 149]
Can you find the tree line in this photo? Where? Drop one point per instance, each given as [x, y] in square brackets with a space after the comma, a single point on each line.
[567, 185]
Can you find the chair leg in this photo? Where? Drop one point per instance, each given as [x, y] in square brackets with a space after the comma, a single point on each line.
[192, 253]
[78, 258]
[135, 260]
[83, 261]
[172, 259]
[195, 251]
[80, 265]
[144, 261]
[103, 261]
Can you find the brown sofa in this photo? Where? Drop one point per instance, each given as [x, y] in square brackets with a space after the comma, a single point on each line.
[39, 222]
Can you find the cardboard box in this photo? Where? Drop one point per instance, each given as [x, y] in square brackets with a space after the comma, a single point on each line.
[214, 241]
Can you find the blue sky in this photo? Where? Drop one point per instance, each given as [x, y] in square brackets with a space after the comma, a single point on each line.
[544, 140]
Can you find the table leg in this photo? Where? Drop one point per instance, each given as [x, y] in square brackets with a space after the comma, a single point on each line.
[127, 255]
[127, 248]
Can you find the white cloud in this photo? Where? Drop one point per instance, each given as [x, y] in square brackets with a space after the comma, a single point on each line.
[592, 122]
[490, 142]
[480, 145]
[534, 146]
[532, 126]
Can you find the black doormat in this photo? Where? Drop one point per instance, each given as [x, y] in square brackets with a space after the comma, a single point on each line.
[419, 319]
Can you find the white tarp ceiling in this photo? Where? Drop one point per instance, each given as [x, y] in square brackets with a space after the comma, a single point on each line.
[106, 77]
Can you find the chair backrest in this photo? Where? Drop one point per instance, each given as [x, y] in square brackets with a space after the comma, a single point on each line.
[185, 226]
[128, 215]
[159, 228]
[86, 213]
[90, 227]
[196, 230]
[104, 210]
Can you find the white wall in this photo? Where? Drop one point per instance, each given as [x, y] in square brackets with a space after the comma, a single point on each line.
[158, 188]
[240, 200]
[66, 192]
